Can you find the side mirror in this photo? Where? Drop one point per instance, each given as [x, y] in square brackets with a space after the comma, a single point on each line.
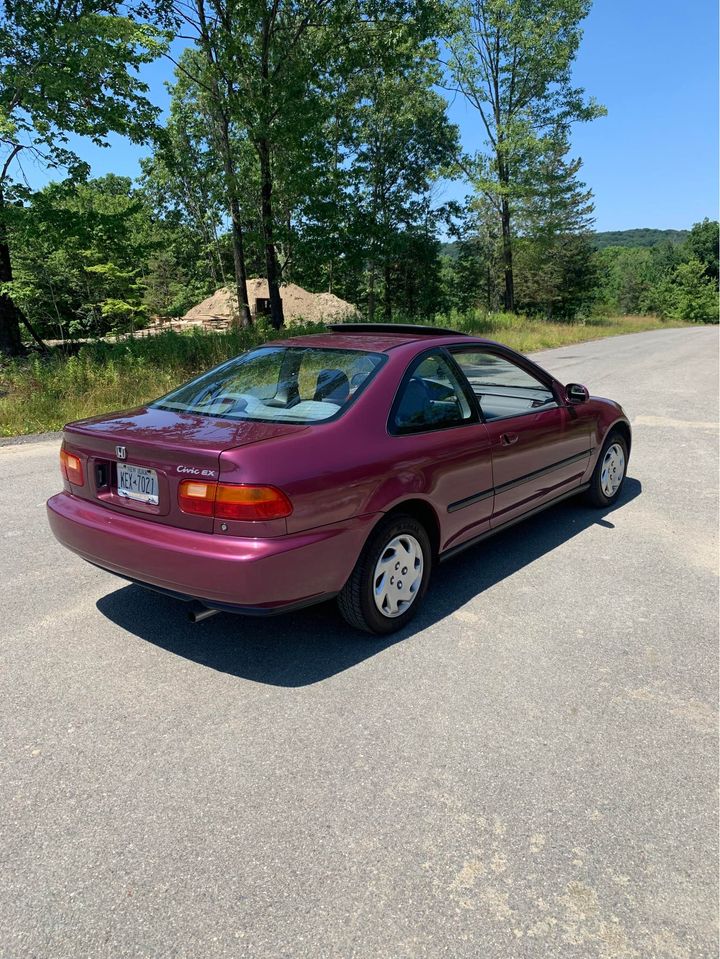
[576, 393]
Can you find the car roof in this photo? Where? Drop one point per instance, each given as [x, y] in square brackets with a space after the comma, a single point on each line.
[375, 337]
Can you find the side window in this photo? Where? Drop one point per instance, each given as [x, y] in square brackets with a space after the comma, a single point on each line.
[430, 398]
[503, 388]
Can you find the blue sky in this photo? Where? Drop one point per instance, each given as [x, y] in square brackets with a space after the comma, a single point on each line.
[652, 162]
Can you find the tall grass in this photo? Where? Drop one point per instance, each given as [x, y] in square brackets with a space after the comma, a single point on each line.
[527, 335]
[42, 393]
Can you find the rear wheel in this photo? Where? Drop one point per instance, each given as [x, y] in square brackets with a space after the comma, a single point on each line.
[389, 581]
[609, 473]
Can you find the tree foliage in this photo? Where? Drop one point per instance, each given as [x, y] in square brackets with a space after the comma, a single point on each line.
[308, 141]
[669, 279]
[66, 67]
[512, 61]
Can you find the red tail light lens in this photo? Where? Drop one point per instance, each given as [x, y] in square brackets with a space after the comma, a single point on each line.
[233, 501]
[251, 502]
[198, 498]
[71, 468]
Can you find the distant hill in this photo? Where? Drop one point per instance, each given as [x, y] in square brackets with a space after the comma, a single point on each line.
[642, 237]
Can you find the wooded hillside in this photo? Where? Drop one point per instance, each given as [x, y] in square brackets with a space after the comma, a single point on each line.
[306, 142]
[642, 237]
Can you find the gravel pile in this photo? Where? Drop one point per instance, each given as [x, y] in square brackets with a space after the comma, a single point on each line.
[298, 305]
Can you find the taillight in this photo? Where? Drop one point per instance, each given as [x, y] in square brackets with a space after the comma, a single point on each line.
[197, 498]
[71, 468]
[232, 501]
[251, 502]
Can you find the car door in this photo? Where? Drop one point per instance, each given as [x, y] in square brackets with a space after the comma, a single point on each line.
[540, 446]
[439, 439]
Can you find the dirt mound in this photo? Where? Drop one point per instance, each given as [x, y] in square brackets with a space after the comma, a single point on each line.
[298, 305]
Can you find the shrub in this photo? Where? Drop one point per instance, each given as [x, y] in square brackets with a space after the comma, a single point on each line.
[688, 294]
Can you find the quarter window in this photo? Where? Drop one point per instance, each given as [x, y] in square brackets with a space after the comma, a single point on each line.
[502, 387]
[430, 398]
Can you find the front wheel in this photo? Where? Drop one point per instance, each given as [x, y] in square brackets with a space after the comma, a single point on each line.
[390, 578]
[609, 473]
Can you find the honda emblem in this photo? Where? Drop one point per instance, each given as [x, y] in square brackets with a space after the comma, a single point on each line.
[120, 452]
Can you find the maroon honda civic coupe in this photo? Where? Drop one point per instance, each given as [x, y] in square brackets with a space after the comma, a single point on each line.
[343, 464]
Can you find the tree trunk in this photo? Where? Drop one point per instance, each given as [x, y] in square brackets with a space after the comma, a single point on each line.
[387, 301]
[10, 341]
[245, 317]
[271, 265]
[371, 293]
[504, 182]
[223, 122]
[507, 257]
[239, 262]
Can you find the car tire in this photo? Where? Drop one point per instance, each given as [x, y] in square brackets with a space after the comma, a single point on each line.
[610, 470]
[387, 586]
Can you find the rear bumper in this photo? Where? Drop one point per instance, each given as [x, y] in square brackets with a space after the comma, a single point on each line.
[246, 575]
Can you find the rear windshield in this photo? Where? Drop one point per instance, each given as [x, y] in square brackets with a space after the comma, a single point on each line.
[278, 384]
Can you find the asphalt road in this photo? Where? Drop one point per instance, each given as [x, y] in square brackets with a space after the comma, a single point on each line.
[529, 771]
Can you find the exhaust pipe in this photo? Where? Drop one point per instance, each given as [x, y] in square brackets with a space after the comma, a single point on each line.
[198, 613]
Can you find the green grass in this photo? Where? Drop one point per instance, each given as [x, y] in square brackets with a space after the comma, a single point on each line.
[41, 394]
[527, 335]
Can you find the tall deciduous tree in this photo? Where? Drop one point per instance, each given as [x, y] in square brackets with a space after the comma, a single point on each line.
[66, 66]
[200, 145]
[183, 182]
[265, 63]
[400, 141]
[512, 61]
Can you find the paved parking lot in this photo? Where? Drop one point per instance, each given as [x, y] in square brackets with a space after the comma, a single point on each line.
[528, 771]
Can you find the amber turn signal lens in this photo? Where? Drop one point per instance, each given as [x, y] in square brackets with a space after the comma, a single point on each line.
[251, 502]
[71, 468]
[231, 501]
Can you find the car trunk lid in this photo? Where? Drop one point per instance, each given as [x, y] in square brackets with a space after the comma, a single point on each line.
[135, 461]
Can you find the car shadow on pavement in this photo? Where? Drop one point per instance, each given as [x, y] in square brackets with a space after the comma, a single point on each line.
[302, 648]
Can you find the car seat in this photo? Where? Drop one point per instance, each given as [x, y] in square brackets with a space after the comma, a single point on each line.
[332, 386]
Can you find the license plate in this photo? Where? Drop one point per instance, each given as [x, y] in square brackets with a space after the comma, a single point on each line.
[137, 483]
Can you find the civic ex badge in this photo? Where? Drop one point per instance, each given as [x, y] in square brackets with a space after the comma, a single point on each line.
[195, 471]
[120, 452]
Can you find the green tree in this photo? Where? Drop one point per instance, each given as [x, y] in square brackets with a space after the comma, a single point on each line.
[81, 255]
[399, 142]
[262, 61]
[702, 244]
[512, 60]
[626, 278]
[206, 89]
[688, 294]
[473, 276]
[557, 203]
[167, 290]
[671, 279]
[183, 182]
[555, 267]
[65, 67]
[556, 276]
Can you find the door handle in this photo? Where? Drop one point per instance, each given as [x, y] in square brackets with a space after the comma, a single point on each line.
[507, 439]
